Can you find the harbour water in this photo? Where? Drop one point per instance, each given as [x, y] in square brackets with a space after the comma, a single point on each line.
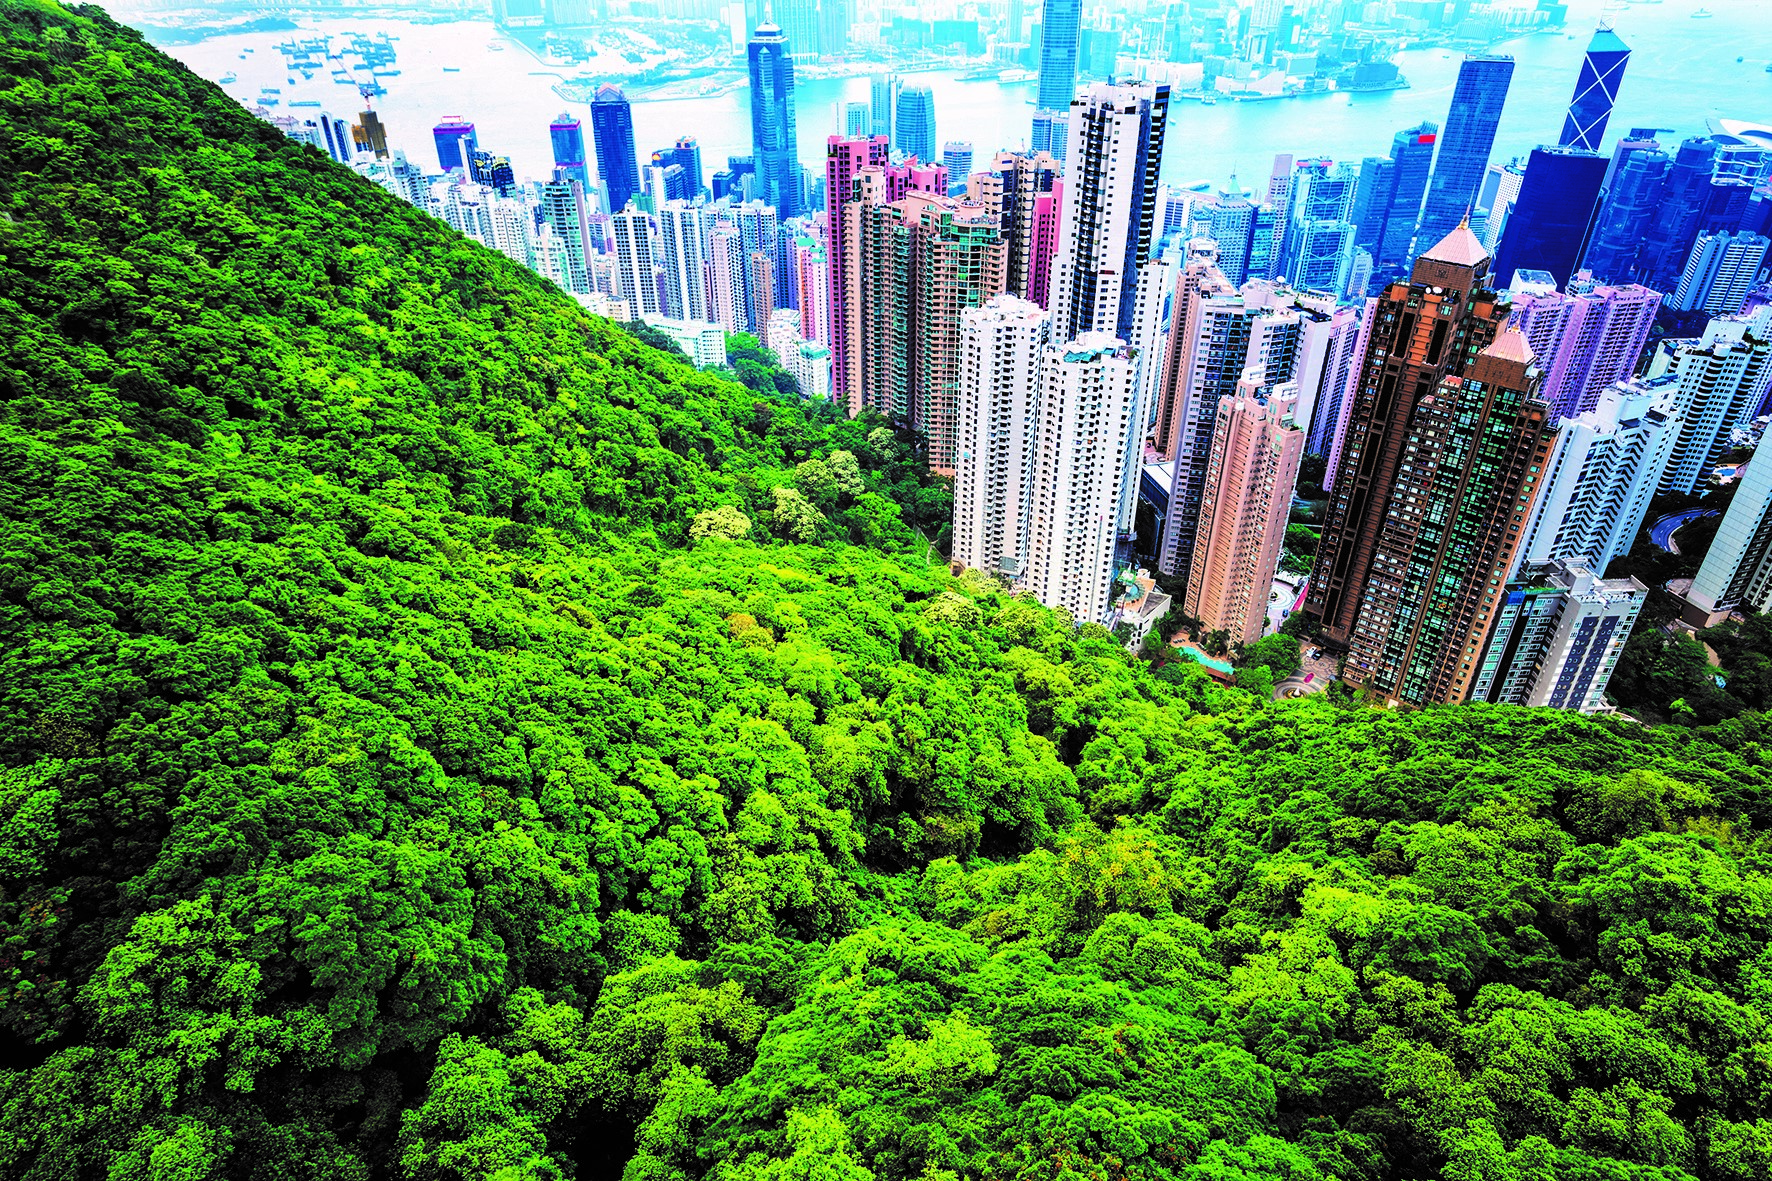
[1682, 72]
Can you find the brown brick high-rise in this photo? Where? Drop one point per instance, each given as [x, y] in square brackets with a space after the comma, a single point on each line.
[1444, 454]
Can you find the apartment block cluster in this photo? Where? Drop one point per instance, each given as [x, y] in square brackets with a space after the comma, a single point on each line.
[1491, 439]
[1499, 365]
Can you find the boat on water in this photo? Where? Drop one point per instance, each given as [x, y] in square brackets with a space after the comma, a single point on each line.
[457, 69]
[266, 102]
[495, 47]
[230, 76]
[270, 90]
[306, 102]
[1703, 14]
[1017, 76]
[387, 73]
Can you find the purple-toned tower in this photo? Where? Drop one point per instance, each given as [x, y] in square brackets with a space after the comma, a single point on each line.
[1585, 337]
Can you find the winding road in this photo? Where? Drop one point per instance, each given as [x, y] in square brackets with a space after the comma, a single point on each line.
[1661, 531]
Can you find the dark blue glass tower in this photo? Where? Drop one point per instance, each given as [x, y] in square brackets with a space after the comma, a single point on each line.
[1673, 225]
[1632, 190]
[688, 154]
[568, 136]
[1548, 228]
[455, 139]
[1060, 34]
[772, 120]
[1602, 71]
[1464, 148]
[1395, 206]
[612, 128]
[916, 124]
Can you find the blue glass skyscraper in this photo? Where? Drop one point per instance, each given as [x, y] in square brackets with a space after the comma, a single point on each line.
[568, 137]
[916, 124]
[1060, 33]
[1394, 203]
[1632, 191]
[772, 120]
[612, 128]
[1548, 228]
[1464, 147]
[1602, 71]
[455, 138]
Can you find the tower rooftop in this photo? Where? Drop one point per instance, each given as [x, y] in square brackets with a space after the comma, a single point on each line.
[1460, 248]
[1511, 345]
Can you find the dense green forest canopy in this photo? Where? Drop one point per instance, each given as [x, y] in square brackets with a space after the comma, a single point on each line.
[443, 737]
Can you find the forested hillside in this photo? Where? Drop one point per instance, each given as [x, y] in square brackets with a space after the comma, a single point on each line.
[444, 738]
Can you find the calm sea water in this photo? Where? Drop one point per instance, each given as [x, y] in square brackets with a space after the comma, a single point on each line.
[1682, 72]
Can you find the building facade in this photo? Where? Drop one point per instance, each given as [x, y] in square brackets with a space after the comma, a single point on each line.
[1560, 630]
[1001, 345]
[1244, 507]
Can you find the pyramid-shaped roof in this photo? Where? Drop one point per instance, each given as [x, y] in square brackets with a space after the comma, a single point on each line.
[1460, 248]
[1606, 41]
[1511, 345]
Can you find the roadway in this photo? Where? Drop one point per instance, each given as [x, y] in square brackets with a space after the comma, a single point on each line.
[1661, 531]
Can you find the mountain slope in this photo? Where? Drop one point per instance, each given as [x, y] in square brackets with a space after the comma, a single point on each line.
[443, 737]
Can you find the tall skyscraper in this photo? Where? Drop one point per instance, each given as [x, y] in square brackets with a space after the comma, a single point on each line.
[1110, 201]
[375, 136]
[845, 159]
[1501, 188]
[1717, 382]
[1327, 364]
[1559, 634]
[1603, 471]
[1596, 90]
[813, 274]
[687, 154]
[563, 205]
[1677, 217]
[912, 265]
[1720, 271]
[1087, 391]
[635, 270]
[1737, 569]
[1244, 507]
[455, 138]
[1027, 190]
[883, 94]
[1549, 225]
[728, 301]
[1318, 248]
[1050, 132]
[1060, 34]
[612, 130]
[682, 244]
[1585, 338]
[1628, 197]
[773, 145]
[914, 124]
[956, 157]
[1229, 220]
[567, 136]
[999, 401]
[856, 120]
[1218, 335]
[1443, 456]
[1464, 147]
[1395, 203]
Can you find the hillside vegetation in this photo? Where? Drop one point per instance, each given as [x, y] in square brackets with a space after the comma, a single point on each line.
[442, 737]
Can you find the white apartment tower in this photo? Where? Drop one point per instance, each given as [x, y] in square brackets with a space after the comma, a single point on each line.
[1106, 222]
[636, 271]
[1087, 388]
[1736, 571]
[1559, 631]
[682, 240]
[1000, 348]
[1601, 475]
[1717, 383]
